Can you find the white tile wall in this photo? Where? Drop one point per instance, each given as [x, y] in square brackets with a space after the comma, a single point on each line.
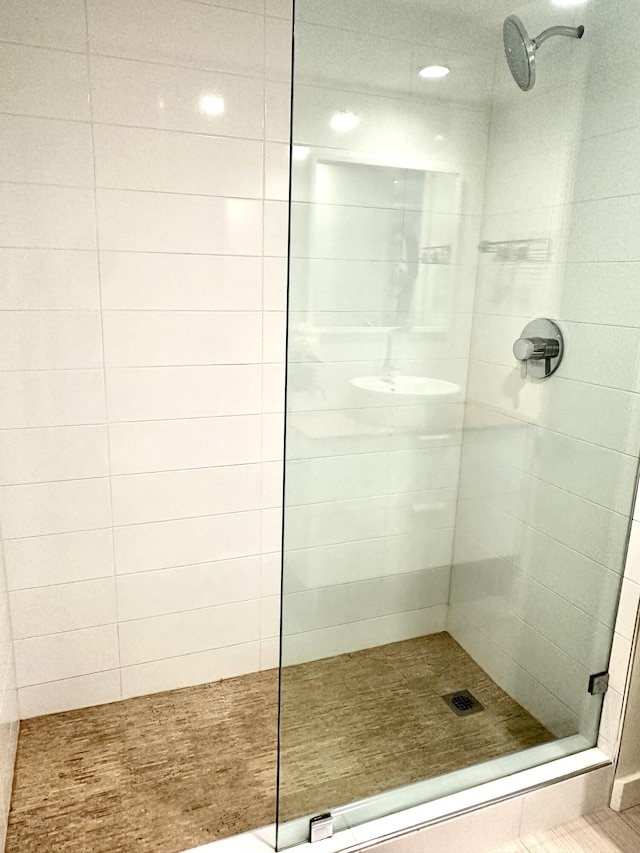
[195, 668]
[46, 398]
[144, 498]
[176, 634]
[141, 349]
[187, 587]
[45, 151]
[146, 446]
[62, 27]
[65, 694]
[50, 340]
[159, 545]
[61, 507]
[179, 34]
[548, 469]
[62, 558]
[166, 222]
[156, 160]
[48, 279]
[55, 657]
[172, 98]
[162, 282]
[47, 83]
[64, 607]
[134, 502]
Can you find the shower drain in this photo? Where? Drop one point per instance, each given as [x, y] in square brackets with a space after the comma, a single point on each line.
[463, 703]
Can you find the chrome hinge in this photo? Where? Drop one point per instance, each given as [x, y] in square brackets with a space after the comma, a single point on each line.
[598, 683]
[320, 827]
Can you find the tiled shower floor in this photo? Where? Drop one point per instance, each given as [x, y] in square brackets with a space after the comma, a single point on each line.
[163, 773]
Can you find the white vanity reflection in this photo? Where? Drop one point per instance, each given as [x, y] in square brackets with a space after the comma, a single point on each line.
[381, 276]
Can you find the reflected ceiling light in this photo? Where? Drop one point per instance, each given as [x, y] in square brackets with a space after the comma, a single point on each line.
[569, 2]
[300, 152]
[434, 72]
[212, 105]
[343, 122]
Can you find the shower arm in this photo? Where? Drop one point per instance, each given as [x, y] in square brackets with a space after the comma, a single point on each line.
[569, 32]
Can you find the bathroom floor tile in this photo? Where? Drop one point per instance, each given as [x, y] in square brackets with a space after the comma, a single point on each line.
[171, 771]
[604, 831]
[362, 723]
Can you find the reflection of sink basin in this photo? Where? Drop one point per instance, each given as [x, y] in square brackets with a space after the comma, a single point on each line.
[411, 386]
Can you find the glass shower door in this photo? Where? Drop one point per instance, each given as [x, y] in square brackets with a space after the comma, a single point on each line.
[454, 531]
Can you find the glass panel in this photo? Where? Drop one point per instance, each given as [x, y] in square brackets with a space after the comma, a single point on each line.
[450, 524]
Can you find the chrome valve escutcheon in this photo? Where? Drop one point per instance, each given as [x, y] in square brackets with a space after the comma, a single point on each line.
[539, 349]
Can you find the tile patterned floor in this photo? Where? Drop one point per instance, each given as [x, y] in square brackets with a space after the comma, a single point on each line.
[163, 773]
[605, 831]
[377, 721]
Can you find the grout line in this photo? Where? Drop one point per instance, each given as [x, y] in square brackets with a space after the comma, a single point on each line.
[102, 341]
[464, 265]
[262, 323]
[134, 665]
[142, 572]
[140, 523]
[258, 199]
[140, 366]
[409, 492]
[135, 620]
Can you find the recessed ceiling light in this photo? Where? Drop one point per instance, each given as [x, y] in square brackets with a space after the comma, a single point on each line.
[300, 152]
[434, 72]
[343, 122]
[211, 105]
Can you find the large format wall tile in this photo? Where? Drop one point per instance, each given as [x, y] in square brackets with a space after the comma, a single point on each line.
[187, 588]
[45, 398]
[45, 151]
[182, 34]
[65, 220]
[194, 668]
[165, 222]
[60, 558]
[67, 655]
[196, 492]
[165, 161]
[185, 633]
[159, 281]
[64, 607]
[41, 82]
[53, 453]
[145, 94]
[38, 22]
[49, 279]
[147, 446]
[43, 508]
[158, 338]
[181, 542]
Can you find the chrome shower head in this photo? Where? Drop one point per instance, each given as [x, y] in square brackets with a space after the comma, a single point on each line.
[520, 49]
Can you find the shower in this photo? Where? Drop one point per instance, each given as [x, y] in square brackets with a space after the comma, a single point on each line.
[520, 49]
[318, 522]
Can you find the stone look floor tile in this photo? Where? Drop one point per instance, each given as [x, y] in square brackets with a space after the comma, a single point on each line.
[174, 770]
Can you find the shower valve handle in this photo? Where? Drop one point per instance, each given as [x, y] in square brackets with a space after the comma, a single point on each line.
[534, 349]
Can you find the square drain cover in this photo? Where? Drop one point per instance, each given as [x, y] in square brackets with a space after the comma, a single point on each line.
[463, 703]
